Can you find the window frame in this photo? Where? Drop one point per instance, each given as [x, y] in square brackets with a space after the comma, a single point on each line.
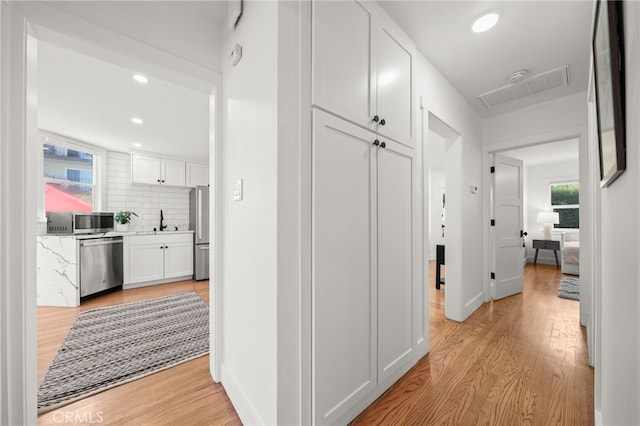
[565, 206]
[99, 169]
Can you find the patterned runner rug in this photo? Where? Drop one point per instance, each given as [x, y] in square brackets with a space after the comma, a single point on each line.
[107, 347]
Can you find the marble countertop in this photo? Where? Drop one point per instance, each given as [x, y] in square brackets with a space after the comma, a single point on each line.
[121, 234]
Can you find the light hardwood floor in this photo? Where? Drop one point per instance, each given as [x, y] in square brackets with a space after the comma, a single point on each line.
[521, 360]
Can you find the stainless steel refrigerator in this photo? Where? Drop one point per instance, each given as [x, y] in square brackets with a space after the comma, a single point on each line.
[199, 223]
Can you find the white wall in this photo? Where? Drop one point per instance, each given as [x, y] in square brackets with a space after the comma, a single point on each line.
[464, 259]
[538, 178]
[145, 200]
[435, 165]
[620, 340]
[250, 134]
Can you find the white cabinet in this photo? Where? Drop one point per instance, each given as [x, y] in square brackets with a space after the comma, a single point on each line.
[362, 284]
[157, 171]
[363, 68]
[160, 257]
[197, 174]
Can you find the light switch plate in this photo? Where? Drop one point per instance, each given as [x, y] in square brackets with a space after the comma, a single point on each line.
[237, 190]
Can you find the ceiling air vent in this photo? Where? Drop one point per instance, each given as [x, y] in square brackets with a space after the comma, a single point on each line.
[538, 83]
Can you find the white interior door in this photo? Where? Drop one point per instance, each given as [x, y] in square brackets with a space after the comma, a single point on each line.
[507, 212]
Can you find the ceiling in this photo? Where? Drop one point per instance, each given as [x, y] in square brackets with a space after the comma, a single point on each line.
[538, 36]
[93, 101]
[548, 153]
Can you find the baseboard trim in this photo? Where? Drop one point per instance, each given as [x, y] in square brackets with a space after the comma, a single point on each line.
[246, 411]
[598, 418]
[472, 305]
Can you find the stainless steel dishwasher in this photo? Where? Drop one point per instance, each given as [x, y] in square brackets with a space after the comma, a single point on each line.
[100, 264]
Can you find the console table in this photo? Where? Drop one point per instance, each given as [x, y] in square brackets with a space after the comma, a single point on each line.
[546, 245]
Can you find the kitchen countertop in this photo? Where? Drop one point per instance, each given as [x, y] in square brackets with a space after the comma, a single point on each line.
[131, 233]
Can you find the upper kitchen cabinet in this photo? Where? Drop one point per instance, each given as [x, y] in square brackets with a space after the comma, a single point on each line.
[363, 68]
[157, 171]
[197, 174]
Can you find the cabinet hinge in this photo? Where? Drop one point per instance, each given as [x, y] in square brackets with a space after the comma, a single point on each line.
[492, 222]
[493, 275]
[492, 169]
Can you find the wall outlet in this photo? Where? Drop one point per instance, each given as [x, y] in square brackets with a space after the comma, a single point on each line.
[237, 190]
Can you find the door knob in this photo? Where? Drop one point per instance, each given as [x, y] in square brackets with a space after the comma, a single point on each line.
[382, 122]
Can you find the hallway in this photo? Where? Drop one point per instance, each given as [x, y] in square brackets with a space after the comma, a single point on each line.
[519, 360]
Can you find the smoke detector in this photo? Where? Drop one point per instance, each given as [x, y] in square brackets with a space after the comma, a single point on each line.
[517, 76]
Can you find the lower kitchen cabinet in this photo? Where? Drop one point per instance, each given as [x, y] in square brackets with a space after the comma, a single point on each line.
[154, 258]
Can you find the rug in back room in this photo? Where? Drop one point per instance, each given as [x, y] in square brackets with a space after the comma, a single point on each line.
[107, 347]
[569, 288]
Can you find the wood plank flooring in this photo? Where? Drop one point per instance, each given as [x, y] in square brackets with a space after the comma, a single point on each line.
[520, 360]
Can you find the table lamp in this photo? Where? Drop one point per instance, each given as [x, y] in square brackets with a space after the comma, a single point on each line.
[548, 219]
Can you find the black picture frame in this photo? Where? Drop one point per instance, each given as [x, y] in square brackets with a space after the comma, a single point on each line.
[608, 58]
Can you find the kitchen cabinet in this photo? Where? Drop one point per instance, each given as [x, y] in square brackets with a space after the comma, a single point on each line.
[159, 257]
[363, 190]
[363, 68]
[157, 171]
[197, 174]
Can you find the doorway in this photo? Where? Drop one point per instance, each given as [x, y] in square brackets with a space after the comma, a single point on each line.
[132, 54]
[442, 163]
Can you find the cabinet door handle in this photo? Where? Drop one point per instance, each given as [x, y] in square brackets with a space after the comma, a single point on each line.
[382, 122]
[376, 119]
[383, 145]
[376, 142]
[158, 180]
[162, 180]
[166, 247]
[161, 247]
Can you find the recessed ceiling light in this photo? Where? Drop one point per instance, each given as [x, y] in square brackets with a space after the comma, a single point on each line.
[140, 78]
[486, 21]
[137, 144]
[136, 120]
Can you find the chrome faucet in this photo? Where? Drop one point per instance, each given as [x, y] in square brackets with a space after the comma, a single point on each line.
[162, 225]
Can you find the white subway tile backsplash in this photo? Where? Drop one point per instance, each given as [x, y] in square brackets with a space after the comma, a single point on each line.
[145, 200]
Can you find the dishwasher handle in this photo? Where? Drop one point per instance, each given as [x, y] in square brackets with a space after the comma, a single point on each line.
[101, 242]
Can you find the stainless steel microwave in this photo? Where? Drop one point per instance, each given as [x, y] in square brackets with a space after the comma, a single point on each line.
[74, 223]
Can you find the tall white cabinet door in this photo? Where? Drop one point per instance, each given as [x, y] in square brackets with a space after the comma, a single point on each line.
[394, 85]
[178, 259]
[344, 299]
[342, 59]
[395, 257]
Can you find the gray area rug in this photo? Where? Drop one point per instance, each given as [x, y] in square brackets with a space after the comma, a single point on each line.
[569, 289]
[107, 347]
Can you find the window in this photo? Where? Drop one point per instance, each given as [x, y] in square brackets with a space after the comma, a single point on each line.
[69, 176]
[565, 200]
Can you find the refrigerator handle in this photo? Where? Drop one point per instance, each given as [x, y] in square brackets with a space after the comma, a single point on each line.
[199, 214]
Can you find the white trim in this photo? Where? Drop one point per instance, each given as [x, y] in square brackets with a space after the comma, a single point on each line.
[245, 410]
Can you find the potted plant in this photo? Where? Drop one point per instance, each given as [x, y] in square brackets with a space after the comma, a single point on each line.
[123, 218]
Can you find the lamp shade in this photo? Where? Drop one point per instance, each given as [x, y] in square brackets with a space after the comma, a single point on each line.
[548, 217]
